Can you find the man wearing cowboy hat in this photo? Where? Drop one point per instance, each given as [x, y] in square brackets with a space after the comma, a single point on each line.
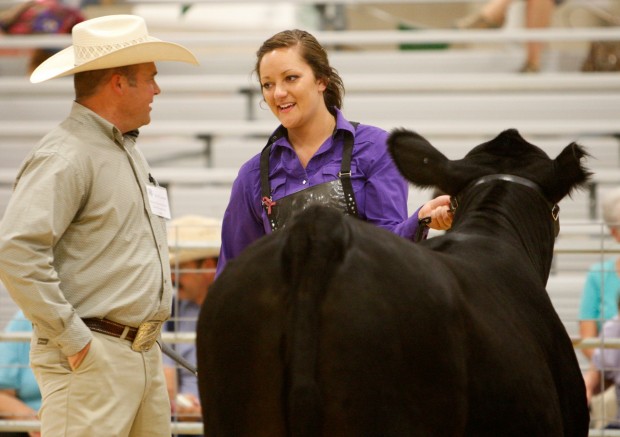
[83, 247]
[194, 244]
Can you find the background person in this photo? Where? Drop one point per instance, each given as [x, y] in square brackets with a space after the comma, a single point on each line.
[20, 398]
[604, 369]
[599, 303]
[194, 245]
[39, 17]
[83, 248]
[309, 157]
[538, 14]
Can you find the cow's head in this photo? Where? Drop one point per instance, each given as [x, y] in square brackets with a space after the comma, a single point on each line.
[508, 153]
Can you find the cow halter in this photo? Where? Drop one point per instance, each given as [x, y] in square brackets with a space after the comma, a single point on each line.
[554, 207]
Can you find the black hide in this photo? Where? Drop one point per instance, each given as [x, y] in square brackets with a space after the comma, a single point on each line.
[333, 327]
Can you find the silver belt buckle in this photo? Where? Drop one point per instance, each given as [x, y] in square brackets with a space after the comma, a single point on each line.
[147, 335]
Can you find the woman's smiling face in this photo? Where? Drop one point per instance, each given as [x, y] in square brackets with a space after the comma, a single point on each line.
[290, 87]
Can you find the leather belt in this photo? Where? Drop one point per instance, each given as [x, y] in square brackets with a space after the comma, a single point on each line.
[108, 327]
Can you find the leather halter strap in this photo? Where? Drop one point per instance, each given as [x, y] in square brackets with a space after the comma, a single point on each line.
[553, 207]
[454, 202]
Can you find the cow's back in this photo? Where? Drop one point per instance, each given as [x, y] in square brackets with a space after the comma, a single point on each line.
[390, 339]
[375, 334]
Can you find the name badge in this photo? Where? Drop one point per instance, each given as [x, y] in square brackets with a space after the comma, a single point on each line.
[158, 199]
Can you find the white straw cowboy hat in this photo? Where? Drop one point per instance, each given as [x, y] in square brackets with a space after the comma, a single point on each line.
[106, 42]
[194, 237]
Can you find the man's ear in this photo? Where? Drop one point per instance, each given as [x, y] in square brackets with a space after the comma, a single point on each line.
[117, 83]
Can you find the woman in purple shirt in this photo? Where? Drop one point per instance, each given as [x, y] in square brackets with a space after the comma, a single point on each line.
[315, 155]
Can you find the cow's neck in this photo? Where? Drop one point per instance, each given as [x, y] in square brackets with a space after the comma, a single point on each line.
[511, 213]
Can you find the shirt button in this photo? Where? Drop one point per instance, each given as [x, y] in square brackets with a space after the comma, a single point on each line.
[304, 182]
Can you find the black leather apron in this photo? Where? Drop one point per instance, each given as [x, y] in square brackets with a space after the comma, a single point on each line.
[337, 193]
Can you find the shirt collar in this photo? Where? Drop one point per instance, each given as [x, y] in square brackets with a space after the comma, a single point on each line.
[90, 118]
[342, 123]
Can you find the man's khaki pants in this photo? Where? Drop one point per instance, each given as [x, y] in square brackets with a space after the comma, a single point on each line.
[115, 392]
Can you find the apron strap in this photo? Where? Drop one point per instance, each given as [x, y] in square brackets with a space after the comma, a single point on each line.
[265, 187]
[345, 171]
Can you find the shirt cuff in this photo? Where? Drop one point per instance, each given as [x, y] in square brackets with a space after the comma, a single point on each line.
[74, 338]
[411, 225]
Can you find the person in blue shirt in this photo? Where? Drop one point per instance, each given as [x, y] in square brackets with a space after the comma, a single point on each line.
[599, 305]
[20, 398]
[599, 301]
[194, 245]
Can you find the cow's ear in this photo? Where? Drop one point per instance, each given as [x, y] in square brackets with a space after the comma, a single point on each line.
[569, 171]
[416, 159]
[425, 166]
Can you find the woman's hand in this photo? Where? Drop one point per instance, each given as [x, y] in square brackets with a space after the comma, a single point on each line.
[438, 209]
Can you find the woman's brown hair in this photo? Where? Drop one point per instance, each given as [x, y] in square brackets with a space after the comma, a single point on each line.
[316, 57]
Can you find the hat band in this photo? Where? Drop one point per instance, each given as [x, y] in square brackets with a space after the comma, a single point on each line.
[85, 54]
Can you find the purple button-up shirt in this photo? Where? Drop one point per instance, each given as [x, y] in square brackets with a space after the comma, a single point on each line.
[380, 190]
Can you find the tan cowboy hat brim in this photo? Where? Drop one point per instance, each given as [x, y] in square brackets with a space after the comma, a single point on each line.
[63, 62]
[193, 252]
[194, 237]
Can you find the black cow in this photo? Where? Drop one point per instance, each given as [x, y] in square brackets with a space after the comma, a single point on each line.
[333, 327]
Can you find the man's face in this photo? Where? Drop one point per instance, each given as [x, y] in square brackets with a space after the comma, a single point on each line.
[193, 278]
[140, 89]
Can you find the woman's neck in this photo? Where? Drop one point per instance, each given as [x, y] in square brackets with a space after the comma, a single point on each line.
[306, 140]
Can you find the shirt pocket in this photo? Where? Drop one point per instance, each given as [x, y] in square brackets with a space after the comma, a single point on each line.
[278, 187]
[330, 172]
